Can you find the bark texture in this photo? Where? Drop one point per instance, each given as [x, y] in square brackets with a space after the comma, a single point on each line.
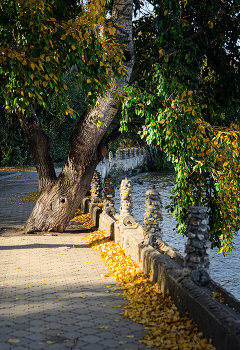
[40, 148]
[88, 145]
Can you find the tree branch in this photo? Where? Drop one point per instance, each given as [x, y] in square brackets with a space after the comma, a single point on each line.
[192, 37]
[39, 144]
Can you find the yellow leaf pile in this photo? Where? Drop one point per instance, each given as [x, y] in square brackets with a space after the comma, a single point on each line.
[30, 197]
[84, 219]
[146, 303]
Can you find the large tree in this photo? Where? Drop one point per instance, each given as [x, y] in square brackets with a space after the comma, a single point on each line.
[183, 83]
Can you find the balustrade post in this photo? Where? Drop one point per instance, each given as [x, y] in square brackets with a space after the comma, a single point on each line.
[117, 155]
[109, 194]
[196, 262]
[138, 151]
[126, 206]
[96, 188]
[110, 156]
[152, 217]
[123, 154]
[129, 153]
[134, 152]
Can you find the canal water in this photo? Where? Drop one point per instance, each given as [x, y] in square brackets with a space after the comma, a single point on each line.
[224, 270]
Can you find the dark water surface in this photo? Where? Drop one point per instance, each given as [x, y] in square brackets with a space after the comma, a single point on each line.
[225, 270]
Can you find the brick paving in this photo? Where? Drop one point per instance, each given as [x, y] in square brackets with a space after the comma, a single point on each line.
[53, 292]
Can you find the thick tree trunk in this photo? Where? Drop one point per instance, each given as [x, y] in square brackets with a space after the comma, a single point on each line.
[61, 197]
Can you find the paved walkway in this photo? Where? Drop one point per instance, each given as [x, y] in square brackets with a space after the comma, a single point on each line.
[53, 294]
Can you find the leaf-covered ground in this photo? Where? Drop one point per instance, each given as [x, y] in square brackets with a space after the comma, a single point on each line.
[147, 305]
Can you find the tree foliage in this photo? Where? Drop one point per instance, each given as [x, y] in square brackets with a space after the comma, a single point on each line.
[187, 91]
[42, 40]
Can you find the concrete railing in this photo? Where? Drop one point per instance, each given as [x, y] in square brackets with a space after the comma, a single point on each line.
[219, 322]
[122, 164]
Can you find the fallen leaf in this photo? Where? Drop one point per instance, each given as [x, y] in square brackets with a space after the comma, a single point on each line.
[104, 327]
[17, 268]
[40, 343]
[17, 299]
[129, 336]
[121, 342]
[76, 270]
[4, 285]
[82, 296]
[41, 255]
[46, 328]
[29, 286]
[43, 280]
[13, 340]
[58, 334]
[50, 342]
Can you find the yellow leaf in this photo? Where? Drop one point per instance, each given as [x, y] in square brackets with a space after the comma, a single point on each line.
[40, 343]
[24, 62]
[162, 121]
[22, 93]
[47, 58]
[82, 296]
[129, 336]
[65, 87]
[73, 47]
[13, 340]
[63, 37]
[18, 268]
[41, 255]
[88, 81]
[50, 342]
[32, 76]
[112, 31]
[165, 12]
[210, 24]
[45, 83]
[103, 327]
[101, 64]
[47, 328]
[168, 132]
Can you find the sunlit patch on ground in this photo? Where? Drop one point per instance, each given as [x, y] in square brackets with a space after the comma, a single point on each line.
[147, 305]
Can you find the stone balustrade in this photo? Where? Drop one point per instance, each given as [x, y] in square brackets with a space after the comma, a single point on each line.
[152, 217]
[96, 188]
[197, 261]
